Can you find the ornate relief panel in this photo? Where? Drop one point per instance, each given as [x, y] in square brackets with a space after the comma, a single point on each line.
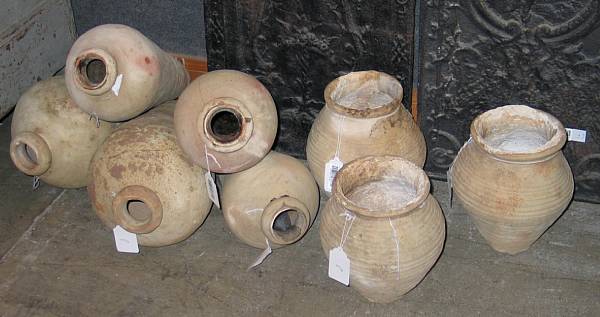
[296, 47]
[480, 54]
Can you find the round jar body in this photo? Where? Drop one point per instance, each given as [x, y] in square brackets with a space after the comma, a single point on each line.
[227, 116]
[363, 115]
[383, 217]
[115, 73]
[512, 178]
[142, 181]
[275, 200]
[52, 138]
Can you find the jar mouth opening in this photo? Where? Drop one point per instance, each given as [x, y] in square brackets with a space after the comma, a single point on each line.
[289, 225]
[364, 94]
[381, 186]
[518, 133]
[94, 71]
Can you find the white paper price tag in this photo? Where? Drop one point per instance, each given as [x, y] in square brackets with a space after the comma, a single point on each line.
[266, 252]
[211, 187]
[125, 241]
[117, 86]
[576, 135]
[331, 169]
[339, 266]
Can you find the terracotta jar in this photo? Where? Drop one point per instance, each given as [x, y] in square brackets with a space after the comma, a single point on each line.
[228, 118]
[142, 181]
[384, 218]
[365, 109]
[52, 138]
[275, 200]
[512, 177]
[115, 73]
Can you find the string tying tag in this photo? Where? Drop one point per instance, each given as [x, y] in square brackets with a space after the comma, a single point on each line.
[335, 164]
[95, 116]
[349, 217]
[395, 236]
[211, 187]
[339, 263]
[36, 182]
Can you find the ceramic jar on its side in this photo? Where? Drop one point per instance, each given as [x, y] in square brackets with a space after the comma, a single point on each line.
[275, 200]
[142, 181]
[226, 121]
[392, 230]
[512, 177]
[365, 110]
[115, 73]
[52, 138]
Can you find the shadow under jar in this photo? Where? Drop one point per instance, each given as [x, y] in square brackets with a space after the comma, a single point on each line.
[391, 228]
[363, 115]
[512, 177]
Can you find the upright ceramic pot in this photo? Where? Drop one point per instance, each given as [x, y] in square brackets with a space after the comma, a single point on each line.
[115, 73]
[275, 200]
[383, 217]
[512, 177]
[52, 138]
[365, 109]
[228, 118]
[142, 181]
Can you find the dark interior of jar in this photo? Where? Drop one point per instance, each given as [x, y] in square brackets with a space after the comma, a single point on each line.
[225, 125]
[92, 71]
[288, 225]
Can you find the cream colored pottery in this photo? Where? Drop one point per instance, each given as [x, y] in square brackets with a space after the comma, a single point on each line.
[52, 138]
[142, 181]
[276, 200]
[391, 228]
[512, 177]
[365, 110]
[115, 73]
[228, 118]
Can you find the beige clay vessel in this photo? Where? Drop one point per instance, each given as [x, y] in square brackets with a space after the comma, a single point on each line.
[275, 200]
[512, 177]
[115, 73]
[52, 138]
[228, 118]
[391, 228]
[366, 109]
[142, 181]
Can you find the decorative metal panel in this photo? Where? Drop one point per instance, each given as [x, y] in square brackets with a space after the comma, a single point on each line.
[296, 47]
[477, 55]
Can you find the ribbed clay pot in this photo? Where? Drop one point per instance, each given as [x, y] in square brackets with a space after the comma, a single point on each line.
[512, 177]
[228, 114]
[394, 229]
[115, 73]
[366, 108]
[142, 181]
[52, 138]
[277, 199]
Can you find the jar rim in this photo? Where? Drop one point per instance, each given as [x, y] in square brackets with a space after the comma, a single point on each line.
[519, 115]
[346, 84]
[373, 167]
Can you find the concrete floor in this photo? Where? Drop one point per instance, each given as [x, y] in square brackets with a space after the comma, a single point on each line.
[65, 264]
